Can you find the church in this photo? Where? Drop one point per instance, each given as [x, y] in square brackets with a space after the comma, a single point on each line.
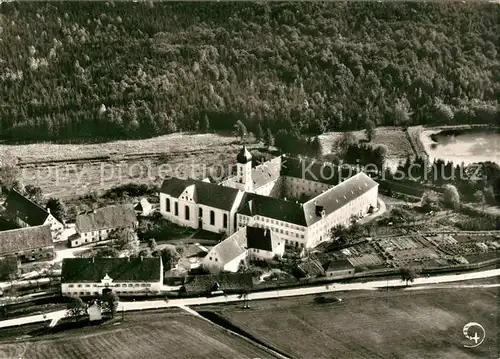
[298, 199]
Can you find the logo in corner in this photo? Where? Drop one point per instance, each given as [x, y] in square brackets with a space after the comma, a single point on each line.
[475, 333]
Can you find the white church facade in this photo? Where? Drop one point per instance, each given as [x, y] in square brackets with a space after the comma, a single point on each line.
[298, 199]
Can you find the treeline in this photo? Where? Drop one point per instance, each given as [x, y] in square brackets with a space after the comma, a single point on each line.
[478, 183]
[97, 70]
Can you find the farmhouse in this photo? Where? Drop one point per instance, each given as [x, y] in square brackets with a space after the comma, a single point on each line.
[299, 199]
[96, 225]
[27, 244]
[248, 243]
[27, 213]
[124, 276]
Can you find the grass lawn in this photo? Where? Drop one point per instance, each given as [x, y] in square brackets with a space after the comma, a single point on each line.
[394, 138]
[148, 335]
[412, 325]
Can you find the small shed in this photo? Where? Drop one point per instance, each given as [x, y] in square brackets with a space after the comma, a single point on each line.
[143, 208]
[339, 269]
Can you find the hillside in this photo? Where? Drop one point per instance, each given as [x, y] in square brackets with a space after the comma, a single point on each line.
[162, 67]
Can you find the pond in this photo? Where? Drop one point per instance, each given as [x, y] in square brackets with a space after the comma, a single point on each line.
[462, 145]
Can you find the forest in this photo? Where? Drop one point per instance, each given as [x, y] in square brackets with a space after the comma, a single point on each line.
[86, 71]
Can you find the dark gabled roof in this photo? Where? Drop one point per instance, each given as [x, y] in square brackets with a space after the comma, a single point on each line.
[338, 196]
[339, 264]
[266, 172]
[110, 217]
[259, 238]
[118, 269]
[287, 211]
[313, 170]
[205, 193]
[227, 282]
[28, 211]
[25, 239]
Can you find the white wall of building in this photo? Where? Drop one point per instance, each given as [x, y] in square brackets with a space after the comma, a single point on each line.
[298, 187]
[56, 227]
[121, 288]
[293, 234]
[340, 274]
[220, 220]
[234, 264]
[319, 231]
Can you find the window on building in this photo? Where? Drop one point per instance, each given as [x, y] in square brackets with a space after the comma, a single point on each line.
[143, 285]
[224, 222]
[176, 209]
[136, 285]
[200, 212]
[87, 285]
[79, 285]
[212, 218]
[216, 259]
[210, 258]
[186, 213]
[70, 286]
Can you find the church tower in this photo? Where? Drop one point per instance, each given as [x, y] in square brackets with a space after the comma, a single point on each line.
[244, 170]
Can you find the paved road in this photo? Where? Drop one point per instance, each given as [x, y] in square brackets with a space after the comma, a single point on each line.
[338, 287]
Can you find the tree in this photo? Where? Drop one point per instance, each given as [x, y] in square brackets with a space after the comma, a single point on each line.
[145, 252]
[401, 113]
[152, 244]
[241, 130]
[125, 240]
[106, 252]
[479, 197]
[380, 153]
[76, 307]
[169, 256]
[370, 129]
[341, 145]
[205, 124]
[259, 133]
[110, 301]
[57, 208]
[451, 197]
[34, 193]
[9, 177]
[268, 138]
[430, 201]
[316, 147]
[408, 274]
[9, 268]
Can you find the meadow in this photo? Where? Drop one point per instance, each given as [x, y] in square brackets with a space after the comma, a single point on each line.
[72, 170]
[143, 335]
[427, 324]
[394, 138]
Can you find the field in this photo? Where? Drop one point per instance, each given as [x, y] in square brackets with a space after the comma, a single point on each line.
[142, 335]
[394, 138]
[141, 161]
[427, 324]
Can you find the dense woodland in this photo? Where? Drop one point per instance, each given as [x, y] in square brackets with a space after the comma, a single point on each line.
[93, 70]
